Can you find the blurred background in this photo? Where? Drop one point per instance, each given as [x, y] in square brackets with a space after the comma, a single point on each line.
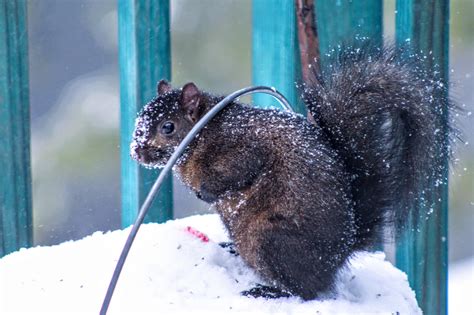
[74, 91]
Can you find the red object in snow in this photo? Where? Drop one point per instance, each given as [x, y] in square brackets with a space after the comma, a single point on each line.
[197, 234]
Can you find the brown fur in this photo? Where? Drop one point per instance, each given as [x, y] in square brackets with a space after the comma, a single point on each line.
[298, 198]
[267, 174]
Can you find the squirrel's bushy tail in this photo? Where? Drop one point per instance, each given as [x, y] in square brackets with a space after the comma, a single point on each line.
[382, 114]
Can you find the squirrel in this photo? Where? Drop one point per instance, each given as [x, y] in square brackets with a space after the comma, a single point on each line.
[299, 196]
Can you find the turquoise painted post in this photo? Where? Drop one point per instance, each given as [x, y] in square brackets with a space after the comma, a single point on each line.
[344, 21]
[144, 53]
[348, 22]
[423, 252]
[275, 53]
[15, 169]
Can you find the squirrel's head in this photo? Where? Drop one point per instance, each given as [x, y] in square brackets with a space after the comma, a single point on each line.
[164, 122]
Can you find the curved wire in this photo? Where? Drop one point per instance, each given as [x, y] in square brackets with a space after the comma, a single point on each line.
[167, 169]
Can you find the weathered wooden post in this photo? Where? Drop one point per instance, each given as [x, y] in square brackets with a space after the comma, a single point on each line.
[144, 49]
[15, 169]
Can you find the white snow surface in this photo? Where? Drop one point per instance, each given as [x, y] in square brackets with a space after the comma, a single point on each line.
[461, 287]
[170, 271]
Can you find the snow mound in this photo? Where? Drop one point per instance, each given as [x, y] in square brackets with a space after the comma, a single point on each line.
[170, 271]
[461, 286]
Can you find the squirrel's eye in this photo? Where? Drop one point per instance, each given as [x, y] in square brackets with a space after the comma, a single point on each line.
[167, 128]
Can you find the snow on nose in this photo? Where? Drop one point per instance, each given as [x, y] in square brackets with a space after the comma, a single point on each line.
[139, 153]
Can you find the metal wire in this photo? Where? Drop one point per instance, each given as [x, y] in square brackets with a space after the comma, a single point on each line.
[167, 169]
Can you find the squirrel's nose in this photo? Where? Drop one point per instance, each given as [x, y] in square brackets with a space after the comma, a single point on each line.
[140, 154]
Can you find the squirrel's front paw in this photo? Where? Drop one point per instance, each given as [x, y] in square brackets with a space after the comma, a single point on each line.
[266, 292]
[206, 196]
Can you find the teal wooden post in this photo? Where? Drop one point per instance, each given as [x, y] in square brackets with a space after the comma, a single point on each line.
[15, 169]
[144, 53]
[275, 53]
[347, 22]
[423, 252]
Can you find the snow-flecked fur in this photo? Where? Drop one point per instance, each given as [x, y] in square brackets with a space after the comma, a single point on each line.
[280, 189]
[382, 113]
[299, 198]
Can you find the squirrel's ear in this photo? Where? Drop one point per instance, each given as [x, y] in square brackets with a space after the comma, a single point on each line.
[191, 101]
[163, 87]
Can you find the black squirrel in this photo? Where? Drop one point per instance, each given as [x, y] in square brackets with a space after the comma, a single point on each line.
[299, 197]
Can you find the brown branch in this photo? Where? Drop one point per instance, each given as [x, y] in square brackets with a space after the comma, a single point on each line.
[307, 36]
